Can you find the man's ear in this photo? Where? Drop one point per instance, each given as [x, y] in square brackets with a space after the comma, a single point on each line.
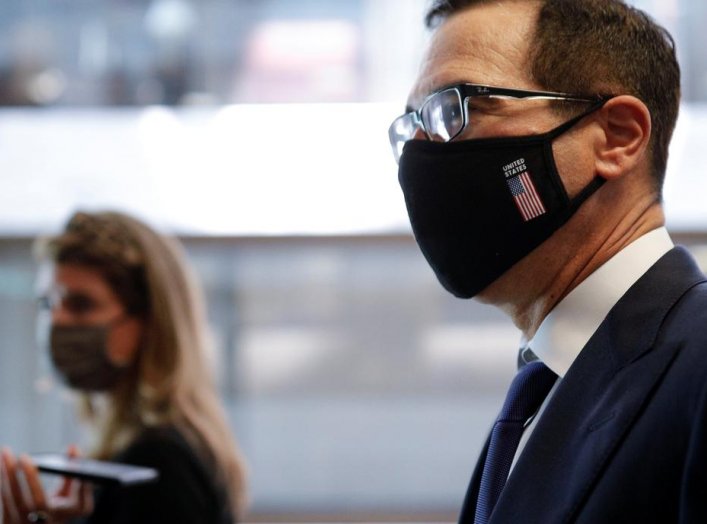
[626, 132]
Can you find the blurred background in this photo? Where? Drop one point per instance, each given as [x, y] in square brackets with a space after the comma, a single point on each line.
[256, 132]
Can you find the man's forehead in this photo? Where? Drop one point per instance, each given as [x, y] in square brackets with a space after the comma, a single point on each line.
[485, 44]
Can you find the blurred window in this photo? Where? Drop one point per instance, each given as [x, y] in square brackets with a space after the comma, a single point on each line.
[189, 52]
[257, 131]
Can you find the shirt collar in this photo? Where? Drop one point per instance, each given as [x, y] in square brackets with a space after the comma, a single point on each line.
[570, 325]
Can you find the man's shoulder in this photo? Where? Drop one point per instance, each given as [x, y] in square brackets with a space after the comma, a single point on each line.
[687, 318]
[683, 334]
[671, 294]
[665, 310]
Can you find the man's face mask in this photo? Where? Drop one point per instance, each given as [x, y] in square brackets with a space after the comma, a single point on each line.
[479, 206]
[80, 356]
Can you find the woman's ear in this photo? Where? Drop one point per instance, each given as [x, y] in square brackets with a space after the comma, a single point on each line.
[626, 130]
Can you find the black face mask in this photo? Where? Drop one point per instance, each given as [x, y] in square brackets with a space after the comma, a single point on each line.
[80, 356]
[479, 206]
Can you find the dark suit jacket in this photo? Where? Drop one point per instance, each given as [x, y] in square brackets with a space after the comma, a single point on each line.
[624, 439]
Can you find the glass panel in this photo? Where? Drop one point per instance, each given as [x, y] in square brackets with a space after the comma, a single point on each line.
[211, 52]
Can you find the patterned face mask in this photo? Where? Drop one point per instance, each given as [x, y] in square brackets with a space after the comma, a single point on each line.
[80, 356]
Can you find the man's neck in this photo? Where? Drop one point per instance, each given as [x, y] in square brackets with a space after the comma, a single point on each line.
[564, 261]
[566, 329]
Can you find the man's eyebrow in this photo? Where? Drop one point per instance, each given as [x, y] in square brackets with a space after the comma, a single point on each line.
[409, 109]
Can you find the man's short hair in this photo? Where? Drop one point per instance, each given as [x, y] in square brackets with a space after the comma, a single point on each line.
[601, 47]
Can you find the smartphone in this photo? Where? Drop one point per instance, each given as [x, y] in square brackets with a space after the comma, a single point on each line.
[94, 470]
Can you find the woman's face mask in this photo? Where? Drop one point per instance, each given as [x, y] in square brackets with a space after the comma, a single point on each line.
[82, 326]
[80, 356]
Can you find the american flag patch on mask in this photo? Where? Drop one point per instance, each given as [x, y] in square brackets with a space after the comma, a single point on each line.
[525, 196]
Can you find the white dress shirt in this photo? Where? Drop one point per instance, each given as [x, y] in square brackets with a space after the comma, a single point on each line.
[569, 326]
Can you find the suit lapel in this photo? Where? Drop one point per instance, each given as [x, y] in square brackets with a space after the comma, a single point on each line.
[597, 402]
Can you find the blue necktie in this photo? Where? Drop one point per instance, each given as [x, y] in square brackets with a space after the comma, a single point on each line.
[527, 392]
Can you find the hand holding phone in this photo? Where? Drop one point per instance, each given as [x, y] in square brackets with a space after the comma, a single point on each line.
[31, 500]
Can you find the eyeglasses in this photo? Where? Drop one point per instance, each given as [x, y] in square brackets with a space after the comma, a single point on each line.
[74, 302]
[445, 114]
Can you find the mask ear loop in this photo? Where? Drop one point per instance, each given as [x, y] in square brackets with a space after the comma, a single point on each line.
[574, 121]
[586, 192]
[597, 181]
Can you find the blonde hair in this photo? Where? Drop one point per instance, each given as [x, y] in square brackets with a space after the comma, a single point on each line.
[171, 381]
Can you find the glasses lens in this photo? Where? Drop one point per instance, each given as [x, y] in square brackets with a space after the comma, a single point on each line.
[443, 115]
[401, 130]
